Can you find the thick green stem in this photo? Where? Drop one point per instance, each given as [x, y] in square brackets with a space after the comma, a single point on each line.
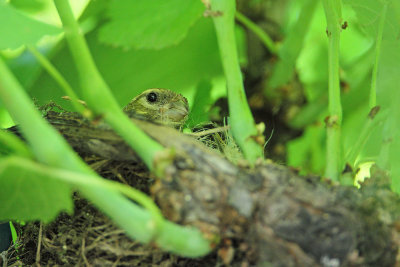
[96, 91]
[79, 180]
[264, 37]
[333, 17]
[243, 126]
[372, 95]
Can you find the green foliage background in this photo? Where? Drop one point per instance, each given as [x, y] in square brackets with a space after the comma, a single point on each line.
[154, 43]
[358, 51]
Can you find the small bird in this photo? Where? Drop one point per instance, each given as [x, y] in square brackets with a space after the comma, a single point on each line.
[160, 106]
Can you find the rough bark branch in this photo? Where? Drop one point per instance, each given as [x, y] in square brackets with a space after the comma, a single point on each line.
[275, 215]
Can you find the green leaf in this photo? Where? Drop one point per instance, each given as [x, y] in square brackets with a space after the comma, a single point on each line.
[16, 29]
[388, 79]
[201, 105]
[26, 195]
[150, 24]
[388, 95]
[129, 72]
[29, 5]
[308, 151]
[368, 14]
[284, 70]
[395, 145]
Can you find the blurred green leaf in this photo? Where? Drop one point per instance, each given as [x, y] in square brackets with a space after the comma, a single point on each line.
[356, 63]
[150, 24]
[312, 111]
[357, 58]
[307, 152]
[29, 5]
[201, 105]
[388, 79]
[368, 14]
[26, 195]
[384, 140]
[129, 72]
[20, 29]
[388, 95]
[393, 125]
[288, 53]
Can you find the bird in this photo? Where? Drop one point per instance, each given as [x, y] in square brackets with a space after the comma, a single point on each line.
[161, 106]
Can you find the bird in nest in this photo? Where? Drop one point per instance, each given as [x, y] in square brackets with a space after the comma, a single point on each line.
[160, 106]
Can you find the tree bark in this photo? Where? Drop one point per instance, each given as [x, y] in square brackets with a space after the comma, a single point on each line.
[276, 216]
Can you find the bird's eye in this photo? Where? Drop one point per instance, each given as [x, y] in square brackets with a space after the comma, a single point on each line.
[151, 97]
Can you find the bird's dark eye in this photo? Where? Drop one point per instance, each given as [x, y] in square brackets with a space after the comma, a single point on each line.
[152, 97]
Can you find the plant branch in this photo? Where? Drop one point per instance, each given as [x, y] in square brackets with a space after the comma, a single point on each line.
[96, 92]
[264, 37]
[333, 123]
[242, 123]
[79, 179]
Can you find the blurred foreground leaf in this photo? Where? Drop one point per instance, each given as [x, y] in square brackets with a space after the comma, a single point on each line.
[307, 152]
[26, 195]
[370, 13]
[289, 51]
[201, 104]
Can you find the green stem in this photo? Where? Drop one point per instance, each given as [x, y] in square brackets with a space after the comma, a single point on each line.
[264, 37]
[60, 80]
[90, 180]
[243, 126]
[333, 17]
[372, 95]
[96, 91]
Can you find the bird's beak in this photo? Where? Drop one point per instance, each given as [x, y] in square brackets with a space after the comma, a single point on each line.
[177, 111]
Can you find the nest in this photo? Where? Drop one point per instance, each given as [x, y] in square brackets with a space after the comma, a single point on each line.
[90, 238]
